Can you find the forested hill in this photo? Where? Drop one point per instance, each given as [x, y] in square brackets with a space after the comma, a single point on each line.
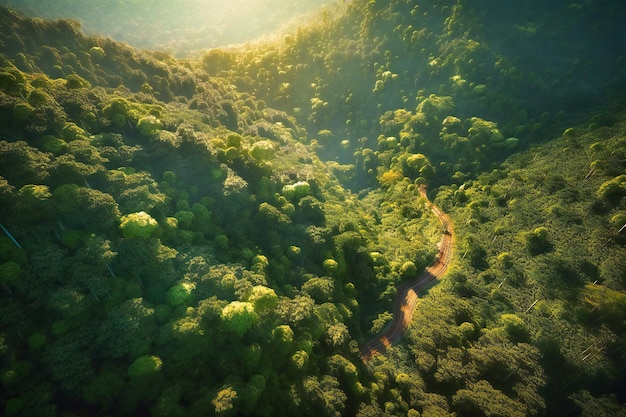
[218, 236]
[511, 74]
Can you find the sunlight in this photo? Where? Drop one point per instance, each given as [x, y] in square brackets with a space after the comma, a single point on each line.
[176, 27]
[292, 207]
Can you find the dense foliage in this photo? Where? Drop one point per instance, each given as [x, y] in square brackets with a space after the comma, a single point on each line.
[459, 81]
[218, 237]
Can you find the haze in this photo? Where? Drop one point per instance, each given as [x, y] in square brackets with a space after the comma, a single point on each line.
[180, 27]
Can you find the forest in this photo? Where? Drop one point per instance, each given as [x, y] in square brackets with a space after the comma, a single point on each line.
[220, 234]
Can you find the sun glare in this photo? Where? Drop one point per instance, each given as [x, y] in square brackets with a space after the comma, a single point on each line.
[177, 27]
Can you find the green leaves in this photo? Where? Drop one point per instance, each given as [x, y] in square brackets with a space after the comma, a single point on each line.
[138, 225]
[149, 125]
[537, 241]
[295, 192]
[262, 150]
[145, 366]
[22, 164]
[78, 206]
[614, 189]
[12, 80]
[9, 273]
[607, 304]
[180, 294]
[482, 398]
[244, 294]
[239, 317]
[74, 81]
[128, 331]
[320, 289]
[324, 395]
[226, 402]
[263, 299]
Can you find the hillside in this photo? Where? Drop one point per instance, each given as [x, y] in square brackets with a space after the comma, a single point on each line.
[221, 235]
[508, 75]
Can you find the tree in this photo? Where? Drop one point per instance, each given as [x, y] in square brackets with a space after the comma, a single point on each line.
[295, 310]
[252, 393]
[480, 398]
[12, 80]
[38, 97]
[9, 273]
[263, 299]
[226, 402]
[79, 206]
[515, 327]
[295, 192]
[104, 389]
[6, 193]
[149, 125]
[74, 81]
[310, 210]
[379, 323]
[70, 359]
[613, 189]
[90, 267]
[185, 219]
[128, 330]
[408, 270]
[418, 165]
[320, 289]
[537, 241]
[324, 396]
[84, 152]
[270, 215]
[134, 191]
[337, 335]
[170, 402]
[512, 368]
[145, 366]
[239, 317]
[180, 294]
[345, 370]
[282, 340]
[140, 198]
[138, 226]
[607, 304]
[202, 219]
[263, 150]
[67, 169]
[118, 110]
[299, 361]
[606, 405]
[33, 202]
[156, 270]
[556, 275]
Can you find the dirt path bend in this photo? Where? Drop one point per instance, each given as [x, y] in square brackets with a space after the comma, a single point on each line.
[407, 298]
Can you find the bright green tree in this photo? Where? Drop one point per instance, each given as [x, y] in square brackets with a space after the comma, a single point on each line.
[239, 317]
[138, 225]
[263, 299]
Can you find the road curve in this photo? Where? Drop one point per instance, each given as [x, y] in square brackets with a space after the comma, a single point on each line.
[407, 298]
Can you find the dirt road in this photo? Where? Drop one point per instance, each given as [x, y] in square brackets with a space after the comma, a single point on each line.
[407, 298]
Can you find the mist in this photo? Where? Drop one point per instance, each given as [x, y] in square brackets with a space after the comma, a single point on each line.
[181, 27]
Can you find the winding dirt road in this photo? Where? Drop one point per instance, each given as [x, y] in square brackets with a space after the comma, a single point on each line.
[407, 294]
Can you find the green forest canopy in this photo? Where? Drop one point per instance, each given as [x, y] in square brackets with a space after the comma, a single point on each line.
[218, 236]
